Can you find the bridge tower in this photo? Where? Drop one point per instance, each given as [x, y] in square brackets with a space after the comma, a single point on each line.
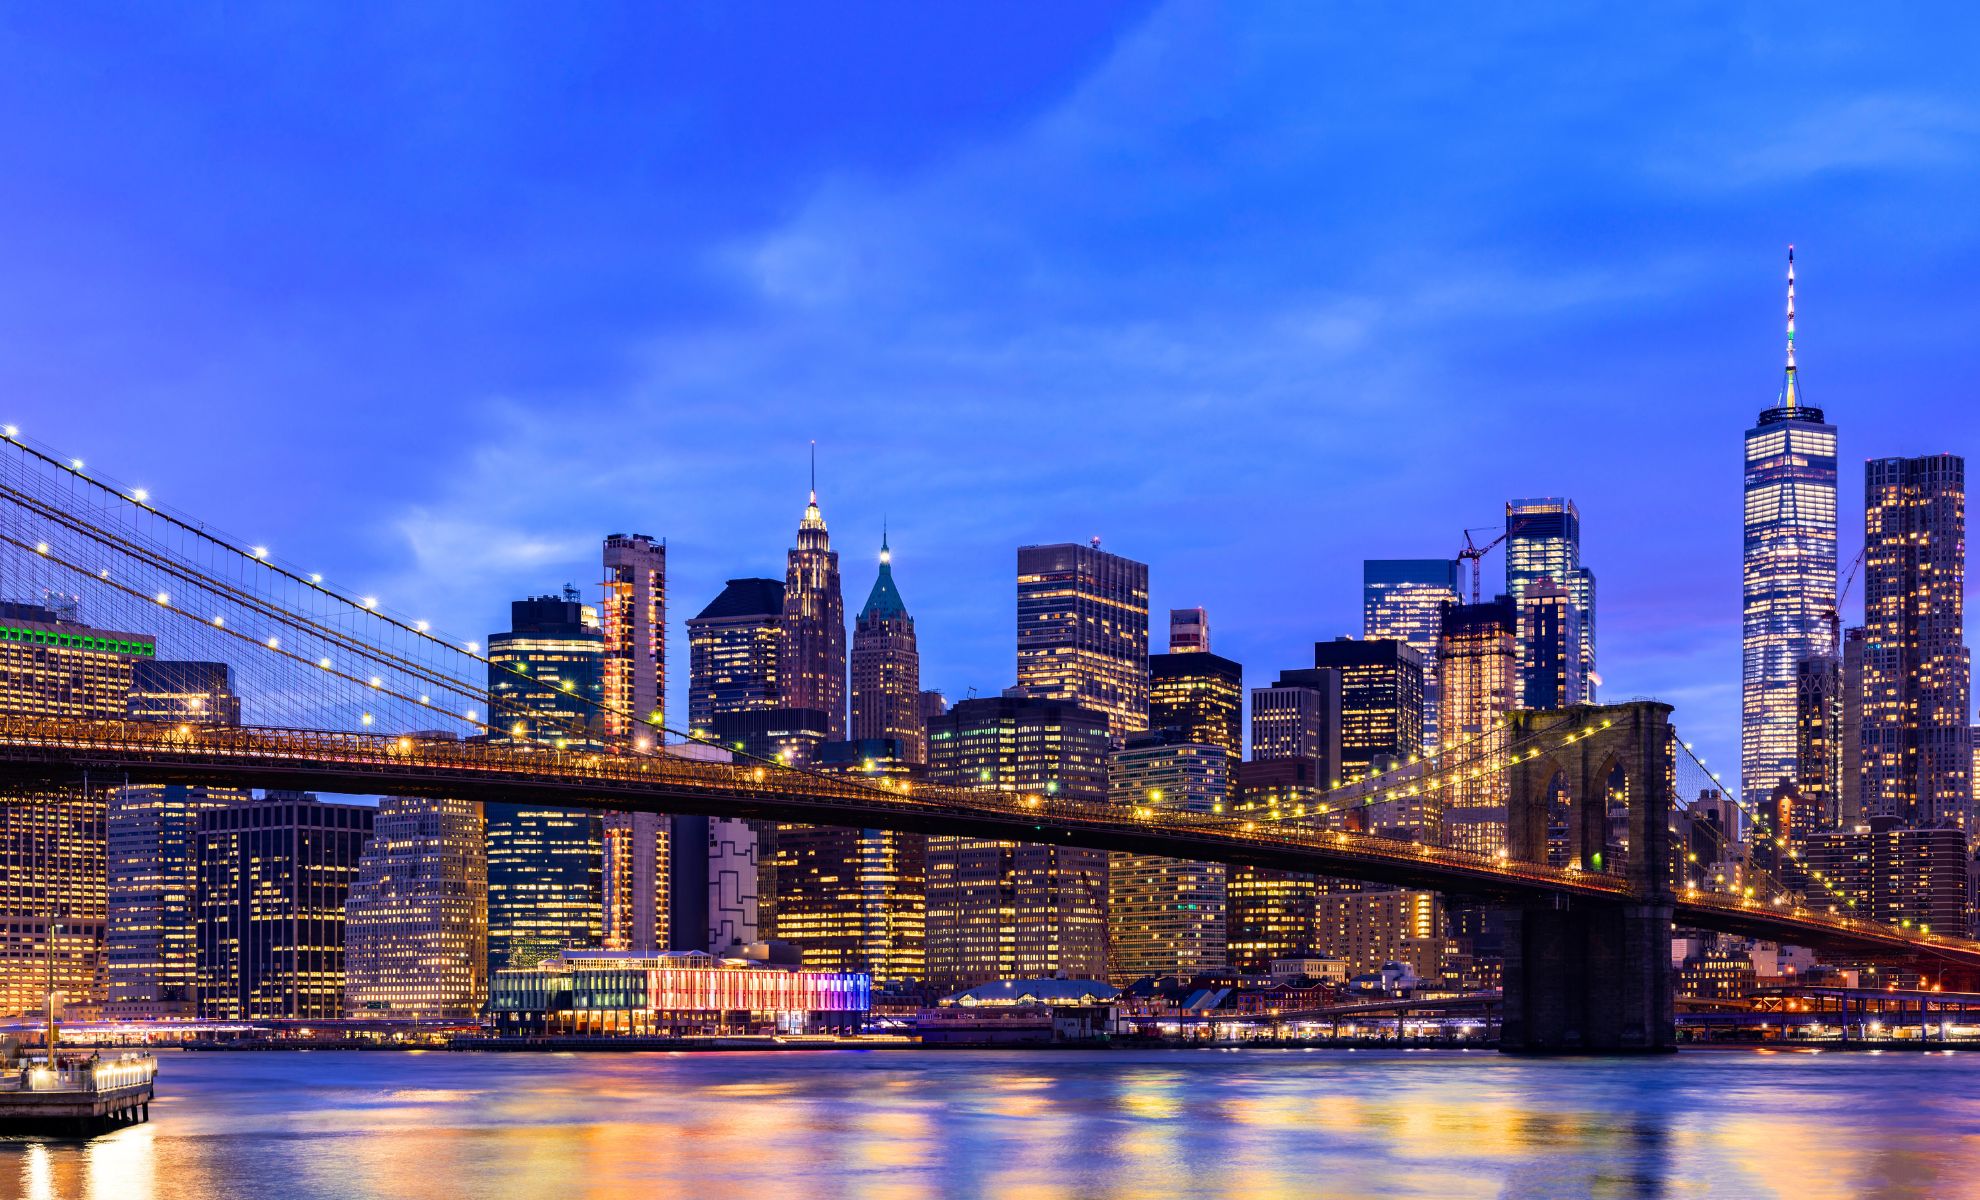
[1592, 977]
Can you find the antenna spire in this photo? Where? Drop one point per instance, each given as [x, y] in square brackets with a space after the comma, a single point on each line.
[1788, 389]
[814, 441]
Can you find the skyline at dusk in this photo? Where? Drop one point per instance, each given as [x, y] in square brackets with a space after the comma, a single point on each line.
[1234, 294]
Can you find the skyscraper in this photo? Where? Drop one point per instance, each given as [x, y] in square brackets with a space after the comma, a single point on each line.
[1381, 701]
[1403, 599]
[1550, 647]
[811, 660]
[545, 868]
[732, 652]
[1189, 630]
[1001, 910]
[1917, 673]
[1196, 696]
[153, 932]
[1269, 912]
[1477, 657]
[1789, 574]
[635, 612]
[1165, 916]
[54, 840]
[634, 881]
[170, 690]
[273, 878]
[1299, 716]
[886, 668]
[1818, 740]
[1082, 631]
[1543, 541]
[416, 918]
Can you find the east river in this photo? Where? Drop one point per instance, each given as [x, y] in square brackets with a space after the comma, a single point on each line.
[900, 1124]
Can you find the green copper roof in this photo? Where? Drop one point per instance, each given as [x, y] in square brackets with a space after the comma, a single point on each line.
[885, 599]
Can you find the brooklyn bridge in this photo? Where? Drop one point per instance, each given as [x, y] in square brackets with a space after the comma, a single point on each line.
[347, 695]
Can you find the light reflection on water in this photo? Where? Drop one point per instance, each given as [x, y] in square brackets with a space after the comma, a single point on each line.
[911, 1124]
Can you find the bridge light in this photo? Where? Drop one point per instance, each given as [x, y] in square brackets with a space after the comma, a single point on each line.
[12, 431]
[377, 682]
[368, 602]
[366, 718]
[315, 578]
[422, 626]
[324, 663]
[220, 622]
[185, 731]
[274, 643]
[405, 744]
[75, 464]
[163, 598]
[516, 730]
[426, 699]
[261, 552]
[474, 647]
[140, 495]
[470, 714]
[41, 547]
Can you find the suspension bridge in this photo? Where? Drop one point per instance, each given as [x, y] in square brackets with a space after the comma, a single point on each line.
[334, 690]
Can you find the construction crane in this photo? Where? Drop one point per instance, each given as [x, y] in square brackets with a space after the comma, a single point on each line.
[1834, 615]
[1474, 552]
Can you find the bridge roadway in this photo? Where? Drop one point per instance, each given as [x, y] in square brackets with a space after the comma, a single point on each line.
[41, 750]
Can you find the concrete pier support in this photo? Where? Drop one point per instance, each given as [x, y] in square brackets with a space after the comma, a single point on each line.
[1588, 980]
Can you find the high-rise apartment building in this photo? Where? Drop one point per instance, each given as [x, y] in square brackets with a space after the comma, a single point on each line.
[153, 935]
[1082, 631]
[1403, 599]
[1197, 696]
[1789, 576]
[1550, 647]
[1895, 874]
[1543, 541]
[634, 677]
[416, 918]
[634, 881]
[1818, 740]
[1477, 658]
[811, 659]
[1165, 916]
[1917, 672]
[545, 865]
[1004, 910]
[273, 877]
[54, 840]
[732, 652]
[886, 668]
[1369, 929]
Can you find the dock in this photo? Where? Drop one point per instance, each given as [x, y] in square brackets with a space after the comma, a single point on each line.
[78, 1096]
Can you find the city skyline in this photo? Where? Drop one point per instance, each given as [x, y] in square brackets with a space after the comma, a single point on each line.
[849, 276]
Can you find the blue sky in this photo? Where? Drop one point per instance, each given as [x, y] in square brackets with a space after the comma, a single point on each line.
[433, 300]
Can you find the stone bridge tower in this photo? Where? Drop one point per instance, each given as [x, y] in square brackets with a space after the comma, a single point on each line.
[1587, 976]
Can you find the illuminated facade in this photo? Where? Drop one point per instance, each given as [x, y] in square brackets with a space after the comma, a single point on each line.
[853, 899]
[1403, 599]
[171, 690]
[886, 668]
[1369, 928]
[1270, 912]
[273, 877]
[1011, 910]
[1917, 672]
[1896, 875]
[1082, 631]
[153, 915]
[1165, 916]
[1381, 702]
[811, 657]
[1197, 696]
[545, 865]
[416, 919]
[1478, 657]
[673, 995]
[634, 677]
[1550, 648]
[1819, 740]
[732, 652]
[54, 841]
[634, 881]
[1299, 716]
[1543, 541]
[1789, 575]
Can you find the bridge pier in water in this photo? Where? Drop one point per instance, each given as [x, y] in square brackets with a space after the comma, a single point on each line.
[1589, 976]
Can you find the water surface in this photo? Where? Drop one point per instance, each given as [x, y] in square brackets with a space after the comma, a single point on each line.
[903, 1124]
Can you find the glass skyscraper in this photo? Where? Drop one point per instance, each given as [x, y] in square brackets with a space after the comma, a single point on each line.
[1789, 579]
[1543, 541]
[1082, 631]
[1403, 599]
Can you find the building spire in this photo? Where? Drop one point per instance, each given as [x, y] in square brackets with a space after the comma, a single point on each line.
[1788, 389]
[886, 555]
[814, 441]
